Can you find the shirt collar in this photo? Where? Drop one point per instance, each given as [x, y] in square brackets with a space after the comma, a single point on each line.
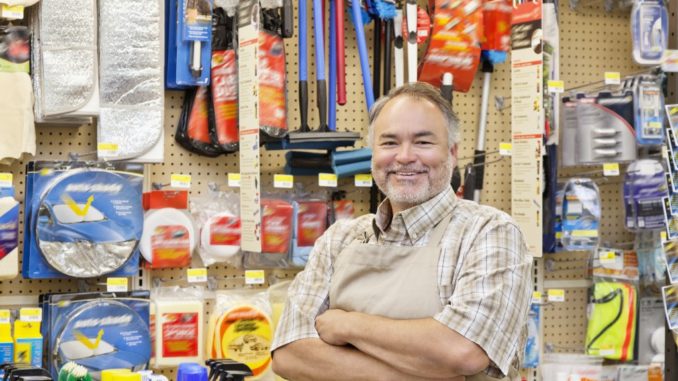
[416, 220]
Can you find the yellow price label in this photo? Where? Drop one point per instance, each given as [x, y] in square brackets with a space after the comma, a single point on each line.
[611, 169]
[663, 235]
[255, 277]
[612, 78]
[234, 180]
[178, 180]
[585, 233]
[5, 316]
[327, 180]
[30, 314]
[556, 295]
[12, 12]
[505, 149]
[536, 297]
[197, 275]
[556, 86]
[116, 284]
[363, 180]
[107, 148]
[6, 180]
[655, 124]
[283, 181]
[607, 257]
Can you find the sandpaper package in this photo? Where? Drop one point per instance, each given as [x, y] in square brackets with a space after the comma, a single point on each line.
[131, 76]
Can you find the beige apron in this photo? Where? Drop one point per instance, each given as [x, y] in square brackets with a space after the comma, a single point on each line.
[398, 282]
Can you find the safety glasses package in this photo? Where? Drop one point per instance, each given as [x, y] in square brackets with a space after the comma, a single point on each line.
[580, 214]
[82, 220]
[99, 332]
[644, 189]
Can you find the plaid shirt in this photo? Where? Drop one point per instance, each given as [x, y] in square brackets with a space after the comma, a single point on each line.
[484, 273]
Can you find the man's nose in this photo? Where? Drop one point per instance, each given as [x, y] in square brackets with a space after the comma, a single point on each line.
[405, 153]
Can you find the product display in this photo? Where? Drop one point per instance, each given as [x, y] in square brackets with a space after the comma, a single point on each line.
[9, 234]
[580, 214]
[179, 315]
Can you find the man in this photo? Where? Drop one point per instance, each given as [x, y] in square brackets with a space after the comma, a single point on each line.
[429, 288]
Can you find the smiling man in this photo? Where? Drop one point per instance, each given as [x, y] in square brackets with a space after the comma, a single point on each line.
[429, 288]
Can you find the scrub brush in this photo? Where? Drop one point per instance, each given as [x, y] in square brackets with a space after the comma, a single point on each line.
[66, 370]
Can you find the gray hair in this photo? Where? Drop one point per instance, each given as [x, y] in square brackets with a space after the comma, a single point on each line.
[419, 91]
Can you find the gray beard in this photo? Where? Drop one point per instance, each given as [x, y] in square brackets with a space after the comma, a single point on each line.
[417, 196]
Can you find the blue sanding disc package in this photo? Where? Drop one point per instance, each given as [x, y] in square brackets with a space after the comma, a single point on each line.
[83, 219]
[98, 333]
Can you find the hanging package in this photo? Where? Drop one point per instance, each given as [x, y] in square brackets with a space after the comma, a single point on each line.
[276, 235]
[82, 221]
[580, 214]
[131, 71]
[612, 323]
[98, 331]
[218, 219]
[9, 234]
[644, 189]
[649, 110]
[649, 31]
[310, 222]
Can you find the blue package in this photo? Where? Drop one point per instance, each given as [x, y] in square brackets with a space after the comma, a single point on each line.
[532, 344]
[649, 111]
[99, 333]
[81, 220]
[649, 31]
[9, 228]
[644, 189]
[581, 215]
[189, 52]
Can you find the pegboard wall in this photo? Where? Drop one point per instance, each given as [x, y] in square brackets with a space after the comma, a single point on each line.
[592, 42]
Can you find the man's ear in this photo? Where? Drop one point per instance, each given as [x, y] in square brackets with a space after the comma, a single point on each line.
[454, 150]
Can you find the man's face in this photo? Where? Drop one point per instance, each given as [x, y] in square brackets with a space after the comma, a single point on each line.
[411, 159]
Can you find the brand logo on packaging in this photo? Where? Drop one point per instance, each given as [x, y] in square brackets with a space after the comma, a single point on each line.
[109, 320]
[96, 187]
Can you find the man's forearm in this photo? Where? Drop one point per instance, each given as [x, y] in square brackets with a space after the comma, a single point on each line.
[423, 347]
[315, 360]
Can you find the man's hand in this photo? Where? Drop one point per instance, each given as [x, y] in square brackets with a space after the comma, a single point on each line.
[332, 326]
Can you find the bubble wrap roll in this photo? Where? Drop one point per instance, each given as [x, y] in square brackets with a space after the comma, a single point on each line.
[64, 55]
[130, 76]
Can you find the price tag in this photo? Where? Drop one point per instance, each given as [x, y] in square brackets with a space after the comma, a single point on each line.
[556, 295]
[6, 180]
[11, 12]
[116, 284]
[607, 257]
[505, 149]
[363, 180]
[612, 78]
[665, 152]
[327, 180]
[283, 181]
[180, 181]
[556, 86]
[33, 315]
[234, 180]
[606, 352]
[107, 149]
[536, 297]
[255, 277]
[611, 169]
[662, 234]
[655, 125]
[198, 275]
[5, 316]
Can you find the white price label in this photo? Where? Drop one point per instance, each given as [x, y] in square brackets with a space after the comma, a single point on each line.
[607, 352]
[283, 181]
[363, 180]
[33, 315]
[234, 180]
[198, 275]
[327, 180]
[556, 295]
[116, 284]
[611, 169]
[612, 78]
[255, 277]
[556, 86]
[505, 149]
[6, 180]
[180, 181]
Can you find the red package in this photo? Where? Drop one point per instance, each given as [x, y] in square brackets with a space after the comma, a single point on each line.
[276, 225]
[311, 222]
[497, 25]
[343, 209]
[225, 98]
[455, 43]
[272, 108]
[198, 123]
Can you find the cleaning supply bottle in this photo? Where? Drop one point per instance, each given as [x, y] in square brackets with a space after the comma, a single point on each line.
[9, 234]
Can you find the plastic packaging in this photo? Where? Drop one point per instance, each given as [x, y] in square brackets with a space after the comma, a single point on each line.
[276, 235]
[649, 31]
[179, 322]
[9, 234]
[217, 216]
[581, 214]
[644, 190]
[310, 222]
[533, 343]
[649, 110]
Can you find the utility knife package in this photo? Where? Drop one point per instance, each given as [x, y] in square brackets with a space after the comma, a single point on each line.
[82, 220]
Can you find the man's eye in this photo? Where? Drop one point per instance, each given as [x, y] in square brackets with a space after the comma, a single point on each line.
[388, 143]
[424, 142]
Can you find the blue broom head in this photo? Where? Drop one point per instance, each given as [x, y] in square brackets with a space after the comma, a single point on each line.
[494, 56]
[386, 9]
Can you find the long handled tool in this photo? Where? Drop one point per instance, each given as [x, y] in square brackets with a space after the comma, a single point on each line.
[303, 71]
[321, 82]
[332, 122]
[362, 51]
[341, 53]
[398, 44]
[411, 41]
